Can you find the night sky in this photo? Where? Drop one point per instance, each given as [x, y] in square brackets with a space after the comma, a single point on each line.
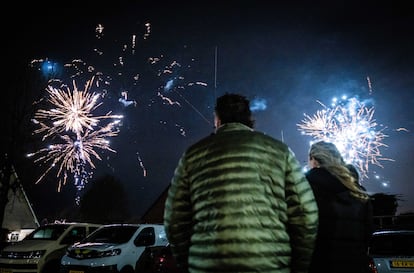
[288, 56]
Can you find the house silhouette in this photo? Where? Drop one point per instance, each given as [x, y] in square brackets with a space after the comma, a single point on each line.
[155, 213]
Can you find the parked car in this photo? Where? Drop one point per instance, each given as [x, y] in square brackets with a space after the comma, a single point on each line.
[392, 251]
[113, 248]
[41, 250]
[157, 259]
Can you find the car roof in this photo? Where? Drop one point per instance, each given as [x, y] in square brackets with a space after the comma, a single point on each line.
[119, 225]
[390, 232]
[71, 224]
[135, 225]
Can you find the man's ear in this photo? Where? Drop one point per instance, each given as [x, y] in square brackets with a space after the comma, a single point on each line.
[217, 121]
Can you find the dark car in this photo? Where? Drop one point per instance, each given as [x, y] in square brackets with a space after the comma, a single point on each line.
[157, 259]
[392, 251]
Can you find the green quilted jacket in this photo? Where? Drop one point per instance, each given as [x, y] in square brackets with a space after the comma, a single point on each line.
[239, 202]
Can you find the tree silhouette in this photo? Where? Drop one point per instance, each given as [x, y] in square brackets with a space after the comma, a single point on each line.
[385, 204]
[384, 209]
[104, 202]
[21, 87]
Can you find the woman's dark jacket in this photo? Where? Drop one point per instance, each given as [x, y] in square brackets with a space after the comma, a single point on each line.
[345, 226]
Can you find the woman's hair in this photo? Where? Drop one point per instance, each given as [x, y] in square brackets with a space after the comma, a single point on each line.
[234, 108]
[329, 157]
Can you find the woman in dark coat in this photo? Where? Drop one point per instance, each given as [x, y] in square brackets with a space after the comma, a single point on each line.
[345, 213]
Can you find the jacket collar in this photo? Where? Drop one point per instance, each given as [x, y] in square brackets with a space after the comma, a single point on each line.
[233, 126]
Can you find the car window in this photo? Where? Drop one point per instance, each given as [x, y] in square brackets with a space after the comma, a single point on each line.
[112, 234]
[392, 244]
[93, 228]
[146, 237]
[47, 232]
[74, 235]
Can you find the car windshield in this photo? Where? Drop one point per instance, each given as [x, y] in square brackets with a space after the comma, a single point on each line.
[111, 234]
[51, 232]
[392, 244]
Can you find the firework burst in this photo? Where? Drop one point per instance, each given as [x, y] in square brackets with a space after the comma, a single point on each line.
[352, 127]
[76, 132]
[71, 124]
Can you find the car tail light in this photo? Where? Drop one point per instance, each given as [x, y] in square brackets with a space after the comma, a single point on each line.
[371, 266]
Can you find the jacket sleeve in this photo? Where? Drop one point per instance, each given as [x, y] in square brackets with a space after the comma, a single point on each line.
[302, 215]
[178, 217]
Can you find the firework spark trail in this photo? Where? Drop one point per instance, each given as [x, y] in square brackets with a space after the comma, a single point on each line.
[369, 85]
[72, 121]
[141, 164]
[352, 128]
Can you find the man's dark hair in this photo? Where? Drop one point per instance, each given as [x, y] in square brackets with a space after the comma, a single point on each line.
[354, 171]
[234, 108]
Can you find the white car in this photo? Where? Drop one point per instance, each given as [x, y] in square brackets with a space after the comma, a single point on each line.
[41, 250]
[392, 251]
[112, 248]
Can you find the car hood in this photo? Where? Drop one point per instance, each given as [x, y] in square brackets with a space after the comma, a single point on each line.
[30, 245]
[94, 246]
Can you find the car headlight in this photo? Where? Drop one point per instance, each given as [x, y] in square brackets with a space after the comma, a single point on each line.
[112, 252]
[36, 254]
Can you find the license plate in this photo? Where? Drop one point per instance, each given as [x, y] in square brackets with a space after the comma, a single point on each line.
[402, 264]
[5, 270]
[75, 271]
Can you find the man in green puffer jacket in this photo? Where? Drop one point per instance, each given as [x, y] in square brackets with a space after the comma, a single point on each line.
[239, 201]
